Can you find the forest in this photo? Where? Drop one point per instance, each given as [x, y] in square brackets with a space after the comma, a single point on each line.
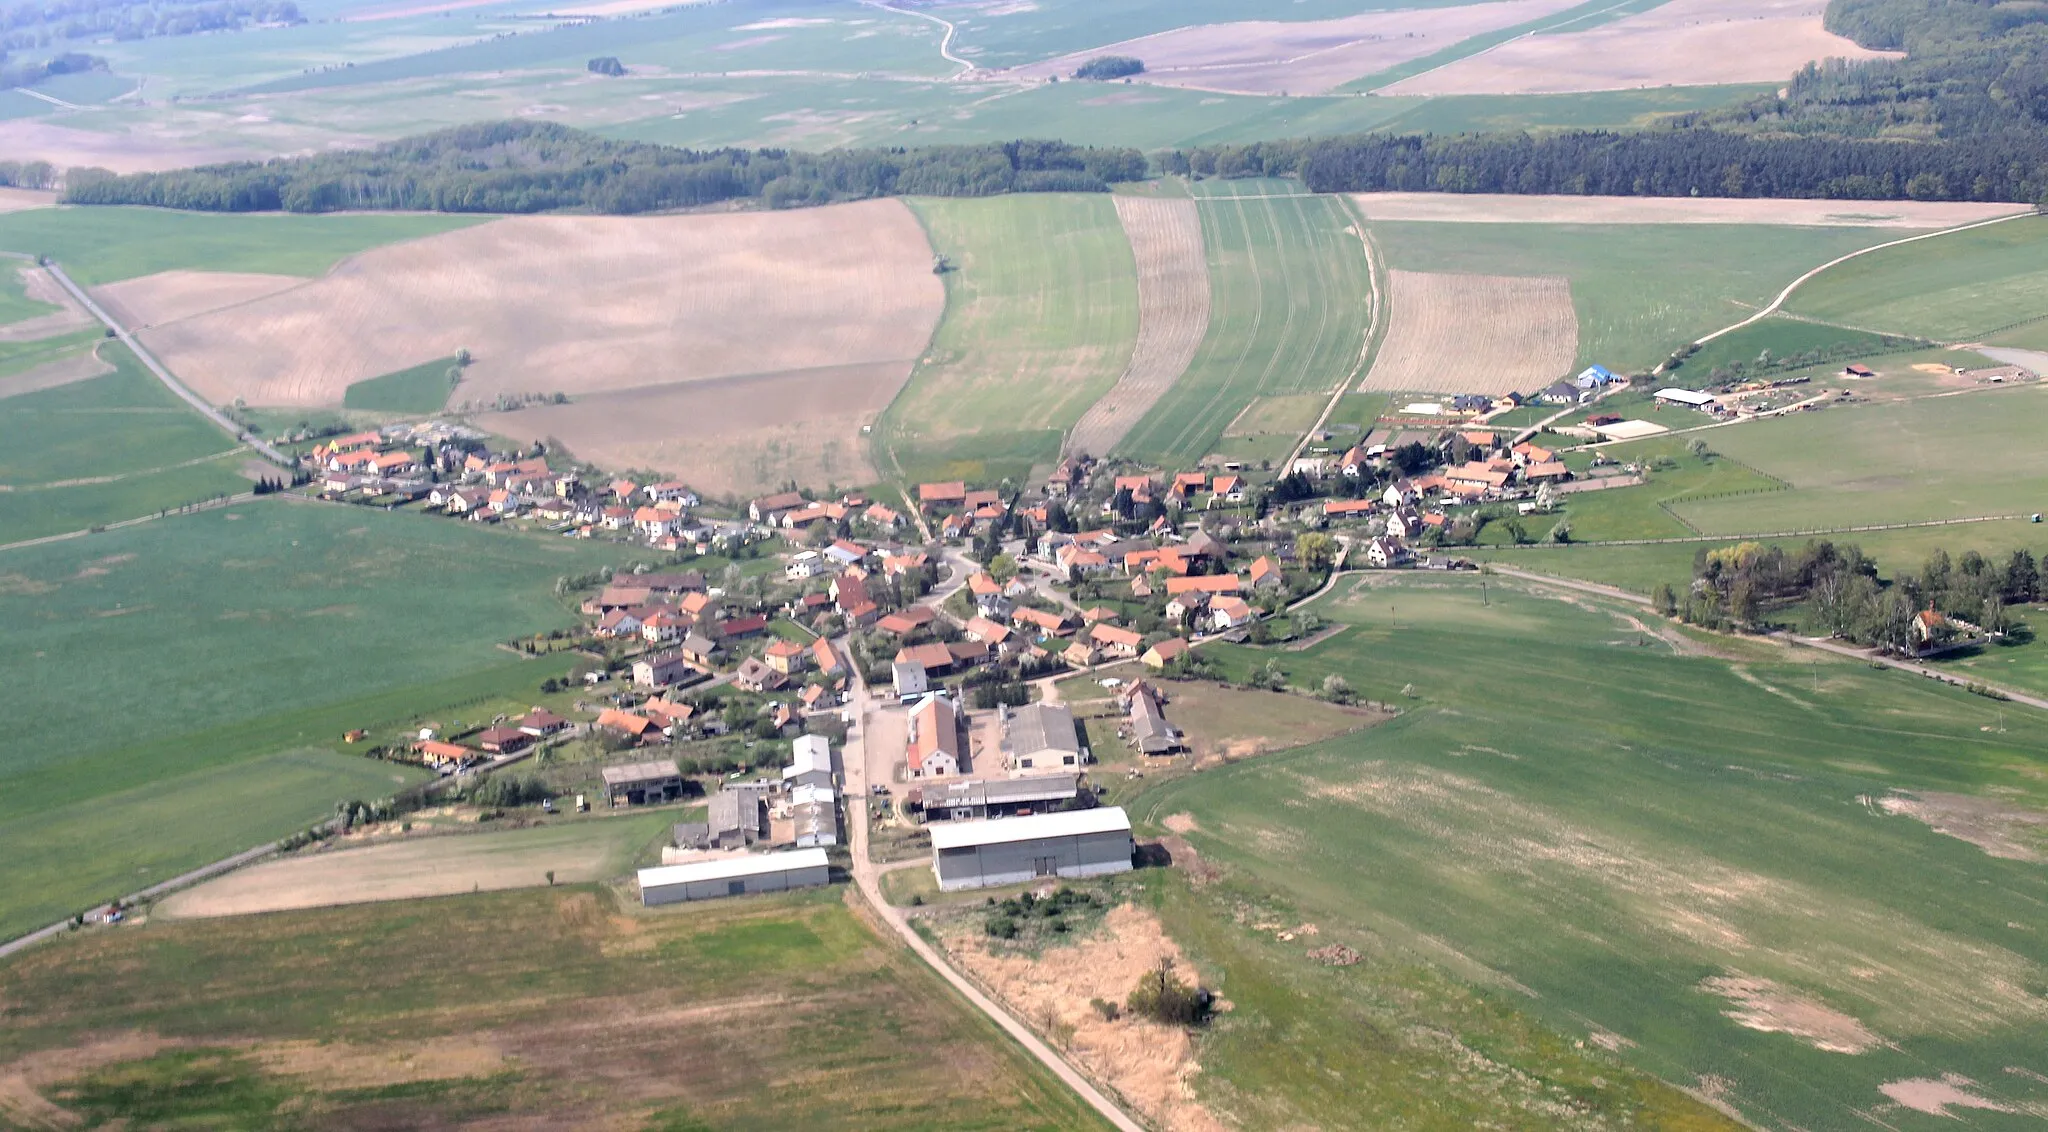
[518, 167]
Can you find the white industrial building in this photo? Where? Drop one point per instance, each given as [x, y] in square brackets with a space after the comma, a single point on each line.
[1691, 398]
[814, 816]
[734, 876]
[991, 851]
[810, 763]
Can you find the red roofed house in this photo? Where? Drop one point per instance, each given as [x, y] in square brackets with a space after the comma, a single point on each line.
[1206, 583]
[1264, 573]
[1231, 612]
[934, 745]
[933, 496]
[1165, 652]
[1115, 641]
[786, 657]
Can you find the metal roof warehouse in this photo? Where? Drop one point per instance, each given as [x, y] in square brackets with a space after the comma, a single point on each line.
[1072, 843]
[734, 876]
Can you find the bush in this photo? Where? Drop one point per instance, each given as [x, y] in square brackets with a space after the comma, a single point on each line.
[1106, 67]
[1001, 926]
[1161, 996]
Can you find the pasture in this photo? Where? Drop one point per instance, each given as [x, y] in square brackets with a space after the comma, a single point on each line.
[1634, 304]
[1675, 43]
[1290, 292]
[1951, 288]
[16, 304]
[580, 305]
[578, 849]
[1893, 462]
[1475, 333]
[1041, 320]
[422, 389]
[564, 1007]
[1173, 314]
[1660, 853]
[106, 245]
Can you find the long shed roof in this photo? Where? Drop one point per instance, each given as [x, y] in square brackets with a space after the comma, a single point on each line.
[732, 868]
[997, 831]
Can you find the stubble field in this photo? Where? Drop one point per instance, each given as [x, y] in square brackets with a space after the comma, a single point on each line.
[1662, 853]
[579, 305]
[1475, 333]
[1680, 43]
[1173, 315]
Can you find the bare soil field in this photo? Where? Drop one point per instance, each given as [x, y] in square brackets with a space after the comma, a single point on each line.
[50, 375]
[1173, 315]
[731, 436]
[26, 139]
[172, 296]
[1683, 43]
[583, 305]
[1302, 57]
[400, 870]
[14, 200]
[1496, 208]
[1476, 333]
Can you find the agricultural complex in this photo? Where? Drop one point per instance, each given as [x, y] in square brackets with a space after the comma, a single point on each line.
[1069, 565]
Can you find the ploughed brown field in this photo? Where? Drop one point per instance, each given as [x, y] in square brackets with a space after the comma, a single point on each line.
[1682, 43]
[1476, 333]
[1300, 57]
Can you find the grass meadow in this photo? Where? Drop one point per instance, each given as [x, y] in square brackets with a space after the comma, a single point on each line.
[1781, 338]
[15, 305]
[106, 245]
[1289, 284]
[562, 1006]
[228, 636]
[1640, 290]
[1640, 846]
[1950, 288]
[1041, 318]
[421, 389]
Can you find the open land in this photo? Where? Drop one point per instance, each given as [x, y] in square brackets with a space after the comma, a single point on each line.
[38, 307]
[1475, 333]
[1500, 208]
[1301, 57]
[773, 1012]
[1682, 43]
[1173, 315]
[1041, 319]
[1290, 292]
[14, 200]
[726, 437]
[1469, 835]
[654, 299]
[1633, 306]
[68, 147]
[179, 294]
[1951, 288]
[573, 851]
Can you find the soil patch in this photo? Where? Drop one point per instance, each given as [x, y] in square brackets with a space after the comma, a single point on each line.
[1173, 315]
[1496, 208]
[169, 296]
[2001, 830]
[1682, 43]
[50, 375]
[1476, 333]
[1151, 1065]
[1761, 1004]
[22, 1083]
[583, 305]
[1937, 1095]
[728, 437]
[1304, 56]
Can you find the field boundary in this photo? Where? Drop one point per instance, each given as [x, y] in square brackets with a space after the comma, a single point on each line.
[1173, 317]
[1375, 332]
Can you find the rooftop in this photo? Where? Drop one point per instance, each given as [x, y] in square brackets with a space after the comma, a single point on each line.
[998, 831]
[640, 772]
[733, 868]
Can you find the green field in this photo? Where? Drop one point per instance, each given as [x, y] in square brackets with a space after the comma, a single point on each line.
[228, 636]
[557, 1008]
[120, 424]
[1588, 827]
[1951, 288]
[1640, 290]
[105, 245]
[419, 390]
[1782, 338]
[15, 305]
[1646, 511]
[1896, 462]
[1041, 317]
[1288, 288]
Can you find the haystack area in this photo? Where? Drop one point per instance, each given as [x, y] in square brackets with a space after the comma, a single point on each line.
[173, 296]
[1173, 315]
[1476, 333]
[730, 437]
[582, 305]
[1499, 208]
[1683, 43]
[1305, 57]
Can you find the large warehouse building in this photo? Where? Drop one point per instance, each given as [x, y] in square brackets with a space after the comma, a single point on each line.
[1073, 843]
[734, 876]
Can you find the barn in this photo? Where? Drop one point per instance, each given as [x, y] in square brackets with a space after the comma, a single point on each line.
[734, 876]
[1072, 843]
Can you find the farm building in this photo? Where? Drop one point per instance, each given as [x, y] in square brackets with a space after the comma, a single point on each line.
[909, 677]
[989, 851]
[738, 815]
[1690, 398]
[810, 762]
[734, 876]
[814, 814]
[1037, 736]
[639, 784]
[999, 797]
[1149, 729]
[934, 747]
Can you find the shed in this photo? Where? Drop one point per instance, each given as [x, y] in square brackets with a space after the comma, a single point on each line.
[645, 783]
[1691, 398]
[990, 851]
[810, 762]
[1000, 797]
[1036, 736]
[734, 876]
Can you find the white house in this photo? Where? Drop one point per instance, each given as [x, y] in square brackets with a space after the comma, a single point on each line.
[810, 763]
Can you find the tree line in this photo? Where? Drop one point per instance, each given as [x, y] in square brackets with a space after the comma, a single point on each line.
[1840, 592]
[39, 23]
[540, 166]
